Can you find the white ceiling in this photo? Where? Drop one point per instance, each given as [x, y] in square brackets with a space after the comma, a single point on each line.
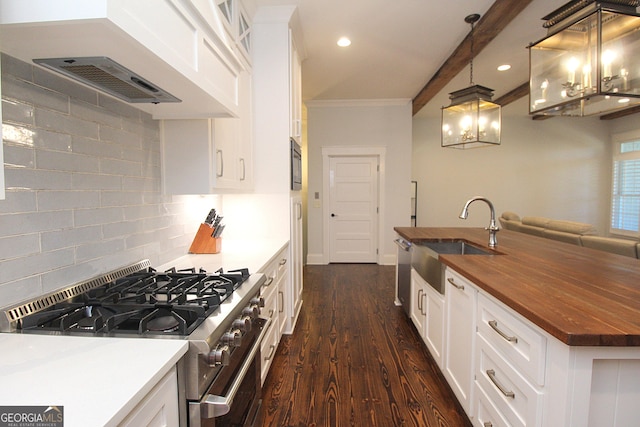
[398, 45]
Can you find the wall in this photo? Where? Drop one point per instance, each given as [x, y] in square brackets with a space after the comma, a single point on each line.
[559, 168]
[83, 186]
[367, 124]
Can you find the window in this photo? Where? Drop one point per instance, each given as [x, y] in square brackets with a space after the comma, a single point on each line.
[625, 199]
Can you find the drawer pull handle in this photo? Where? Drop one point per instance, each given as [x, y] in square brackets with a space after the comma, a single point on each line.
[272, 349]
[420, 292]
[268, 282]
[283, 261]
[494, 326]
[450, 280]
[492, 376]
[488, 424]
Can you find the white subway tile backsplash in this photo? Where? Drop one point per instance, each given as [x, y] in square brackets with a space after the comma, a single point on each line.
[69, 238]
[21, 290]
[104, 215]
[17, 112]
[96, 148]
[65, 123]
[29, 93]
[19, 246]
[84, 186]
[18, 202]
[35, 179]
[18, 268]
[120, 198]
[64, 161]
[99, 249]
[34, 222]
[67, 200]
[92, 181]
[120, 229]
[19, 156]
[120, 167]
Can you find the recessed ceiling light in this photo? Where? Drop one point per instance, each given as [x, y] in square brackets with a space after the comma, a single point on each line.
[344, 42]
[504, 67]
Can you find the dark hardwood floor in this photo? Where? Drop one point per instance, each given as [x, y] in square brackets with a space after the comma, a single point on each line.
[355, 359]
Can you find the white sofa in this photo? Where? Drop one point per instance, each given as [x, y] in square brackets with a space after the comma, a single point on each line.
[577, 233]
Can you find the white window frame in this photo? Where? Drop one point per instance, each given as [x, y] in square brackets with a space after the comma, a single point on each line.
[618, 140]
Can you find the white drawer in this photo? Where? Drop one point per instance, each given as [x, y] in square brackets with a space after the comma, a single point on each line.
[487, 415]
[516, 399]
[517, 342]
[268, 349]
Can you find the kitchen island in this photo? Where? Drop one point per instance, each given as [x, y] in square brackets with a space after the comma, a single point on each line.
[577, 361]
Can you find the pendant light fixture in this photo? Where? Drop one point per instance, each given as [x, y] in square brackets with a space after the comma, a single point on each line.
[589, 62]
[471, 120]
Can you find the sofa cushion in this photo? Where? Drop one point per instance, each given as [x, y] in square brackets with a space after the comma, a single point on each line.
[572, 227]
[611, 244]
[508, 215]
[562, 236]
[536, 221]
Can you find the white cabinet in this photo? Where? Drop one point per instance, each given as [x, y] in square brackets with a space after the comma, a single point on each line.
[272, 292]
[510, 367]
[159, 408]
[460, 326]
[427, 313]
[293, 296]
[283, 290]
[295, 108]
[194, 61]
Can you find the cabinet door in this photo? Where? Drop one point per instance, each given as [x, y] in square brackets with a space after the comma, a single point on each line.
[418, 313]
[460, 322]
[434, 328]
[187, 156]
[296, 90]
[226, 139]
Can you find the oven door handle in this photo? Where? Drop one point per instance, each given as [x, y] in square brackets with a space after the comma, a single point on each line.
[215, 406]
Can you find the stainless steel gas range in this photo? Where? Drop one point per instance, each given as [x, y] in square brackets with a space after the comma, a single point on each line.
[218, 313]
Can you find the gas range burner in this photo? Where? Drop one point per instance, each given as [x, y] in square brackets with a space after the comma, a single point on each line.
[146, 302]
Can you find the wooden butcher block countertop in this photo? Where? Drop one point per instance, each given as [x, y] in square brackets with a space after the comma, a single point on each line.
[581, 296]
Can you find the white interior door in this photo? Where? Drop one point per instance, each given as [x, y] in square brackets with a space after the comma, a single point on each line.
[353, 208]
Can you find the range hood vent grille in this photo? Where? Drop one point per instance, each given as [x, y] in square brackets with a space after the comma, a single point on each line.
[104, 74]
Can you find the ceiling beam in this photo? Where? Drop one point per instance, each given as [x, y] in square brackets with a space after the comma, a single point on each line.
[513, 95]
[499, 15]
[621, 113]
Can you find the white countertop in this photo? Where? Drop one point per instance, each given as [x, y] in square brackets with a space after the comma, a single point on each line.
[98, 380]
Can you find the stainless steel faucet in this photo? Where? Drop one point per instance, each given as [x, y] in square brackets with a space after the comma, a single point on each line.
[493, 228]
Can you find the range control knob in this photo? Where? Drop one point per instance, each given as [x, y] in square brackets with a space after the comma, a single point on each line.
[219, 356]
[259, 301]
[243, 324]
[252, 311]
[232, 338]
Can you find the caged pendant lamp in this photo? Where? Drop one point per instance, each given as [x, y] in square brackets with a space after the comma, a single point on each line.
[472, 120]
[589, 62]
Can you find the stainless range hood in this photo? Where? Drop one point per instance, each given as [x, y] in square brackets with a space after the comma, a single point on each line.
[106, 75]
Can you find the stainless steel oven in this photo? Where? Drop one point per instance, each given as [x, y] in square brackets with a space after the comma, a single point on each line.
[234, 397]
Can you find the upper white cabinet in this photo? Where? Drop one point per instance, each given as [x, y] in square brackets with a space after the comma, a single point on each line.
[295, 107]
[180, 46]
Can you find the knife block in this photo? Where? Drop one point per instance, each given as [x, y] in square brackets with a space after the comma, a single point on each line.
[203, 243]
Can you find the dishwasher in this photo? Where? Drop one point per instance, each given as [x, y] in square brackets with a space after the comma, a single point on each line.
[403, 274]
